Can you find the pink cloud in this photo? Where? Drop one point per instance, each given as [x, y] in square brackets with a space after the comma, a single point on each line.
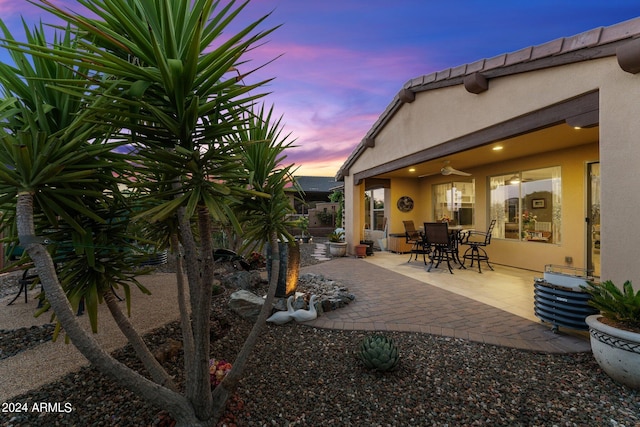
[330, 96]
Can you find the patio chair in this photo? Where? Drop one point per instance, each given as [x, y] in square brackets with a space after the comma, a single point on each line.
[438, 237]
[416, 240]
[477, 241]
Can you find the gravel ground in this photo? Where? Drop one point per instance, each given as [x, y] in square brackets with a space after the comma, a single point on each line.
[9, 284]
[303, 376]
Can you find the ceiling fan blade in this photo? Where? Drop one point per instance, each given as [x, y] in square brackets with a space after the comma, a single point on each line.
[448, 170]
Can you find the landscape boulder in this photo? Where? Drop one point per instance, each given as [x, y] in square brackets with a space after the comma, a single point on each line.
[246, 304]
[246, 280]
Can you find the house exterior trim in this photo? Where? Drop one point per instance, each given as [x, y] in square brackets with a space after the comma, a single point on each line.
[593, 44]
[586, 104]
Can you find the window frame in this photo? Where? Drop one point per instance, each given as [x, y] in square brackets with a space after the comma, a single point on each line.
[448, 205]
[527, 205]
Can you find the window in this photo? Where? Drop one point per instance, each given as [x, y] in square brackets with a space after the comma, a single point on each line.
[374, 209]
[455, 202]
[527, 205]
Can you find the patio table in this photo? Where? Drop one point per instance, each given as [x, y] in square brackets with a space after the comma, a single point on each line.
[457, 234]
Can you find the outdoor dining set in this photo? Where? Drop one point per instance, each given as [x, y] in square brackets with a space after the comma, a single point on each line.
[441, 243]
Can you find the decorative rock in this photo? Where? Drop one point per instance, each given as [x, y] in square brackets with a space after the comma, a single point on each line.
[326, 305]
[299, 303]
[280, 304]
[245, 280]
[246, 304]
[331, 295]
[14, 341]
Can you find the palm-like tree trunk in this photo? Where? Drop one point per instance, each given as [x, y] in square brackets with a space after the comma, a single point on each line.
[185, 319]
[156, 370]
[82, 339]
[230, 382]
[198, 386]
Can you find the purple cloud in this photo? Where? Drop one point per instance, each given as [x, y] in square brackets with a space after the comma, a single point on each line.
[344, 60]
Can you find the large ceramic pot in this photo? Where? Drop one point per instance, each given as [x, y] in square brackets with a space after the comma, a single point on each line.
[617, 351]
[338, 249]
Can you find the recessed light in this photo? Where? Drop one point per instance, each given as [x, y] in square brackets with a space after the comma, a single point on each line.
[412, 169]
[497, 148]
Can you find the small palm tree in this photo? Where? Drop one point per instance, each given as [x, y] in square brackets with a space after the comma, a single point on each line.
[157, 78]
[264, 215]
[58, 182]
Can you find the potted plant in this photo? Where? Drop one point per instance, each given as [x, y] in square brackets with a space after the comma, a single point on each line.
[303, 225]
[337, 245]
[615, 332]
[361, 250]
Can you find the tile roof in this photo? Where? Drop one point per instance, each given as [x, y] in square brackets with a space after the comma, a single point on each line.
[596, 37]
[317, 183]
[596, 43]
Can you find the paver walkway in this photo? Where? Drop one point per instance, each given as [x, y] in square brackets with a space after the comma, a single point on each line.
[320, 252]
[388, 301]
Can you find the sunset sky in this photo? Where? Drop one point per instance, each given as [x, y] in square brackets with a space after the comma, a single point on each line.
[344, 60]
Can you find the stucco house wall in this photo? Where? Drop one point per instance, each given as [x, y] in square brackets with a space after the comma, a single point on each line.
[438, 116]
[619, 160]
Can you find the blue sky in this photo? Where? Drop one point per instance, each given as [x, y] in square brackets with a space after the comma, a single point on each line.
[344, 60]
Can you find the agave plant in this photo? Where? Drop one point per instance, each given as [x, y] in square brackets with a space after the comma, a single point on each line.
[379, 352]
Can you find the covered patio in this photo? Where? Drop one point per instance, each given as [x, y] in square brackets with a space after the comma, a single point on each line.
[542, 140]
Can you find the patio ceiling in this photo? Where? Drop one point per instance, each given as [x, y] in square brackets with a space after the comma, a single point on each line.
[546, 140]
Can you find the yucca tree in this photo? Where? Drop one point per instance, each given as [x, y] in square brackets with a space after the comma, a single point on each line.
[49, 155]
[162, 73]
[264, 219]
[58, 184]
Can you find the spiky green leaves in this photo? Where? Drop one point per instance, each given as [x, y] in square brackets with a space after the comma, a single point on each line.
[622, 305]
[263, 146]
[379, 352]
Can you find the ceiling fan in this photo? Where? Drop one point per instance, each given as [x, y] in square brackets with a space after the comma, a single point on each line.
[448, 170]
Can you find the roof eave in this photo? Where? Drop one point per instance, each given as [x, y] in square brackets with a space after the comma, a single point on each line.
[596, 43]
